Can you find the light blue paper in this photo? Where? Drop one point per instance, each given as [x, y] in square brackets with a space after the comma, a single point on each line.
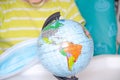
[17, 58]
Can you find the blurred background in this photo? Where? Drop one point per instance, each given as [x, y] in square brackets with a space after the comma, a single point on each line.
[103, 22]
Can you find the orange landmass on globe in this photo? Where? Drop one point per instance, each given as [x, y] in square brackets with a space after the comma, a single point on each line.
[73, 51]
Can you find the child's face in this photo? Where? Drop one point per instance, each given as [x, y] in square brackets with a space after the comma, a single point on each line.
[36, 3]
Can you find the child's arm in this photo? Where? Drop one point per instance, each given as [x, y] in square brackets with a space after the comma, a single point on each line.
[0, 27]
[0, 16]
[118, 21]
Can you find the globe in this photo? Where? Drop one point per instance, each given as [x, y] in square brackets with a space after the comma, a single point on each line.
[65, 47]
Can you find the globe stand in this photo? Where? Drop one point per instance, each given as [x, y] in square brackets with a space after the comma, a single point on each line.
[65, 78]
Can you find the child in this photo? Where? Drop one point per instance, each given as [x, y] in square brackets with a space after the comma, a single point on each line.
[23, 19]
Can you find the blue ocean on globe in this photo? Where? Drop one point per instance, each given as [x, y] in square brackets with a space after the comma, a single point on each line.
[65, 47]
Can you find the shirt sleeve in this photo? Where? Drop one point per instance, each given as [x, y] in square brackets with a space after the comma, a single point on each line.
[73, 13]
[0, 16]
